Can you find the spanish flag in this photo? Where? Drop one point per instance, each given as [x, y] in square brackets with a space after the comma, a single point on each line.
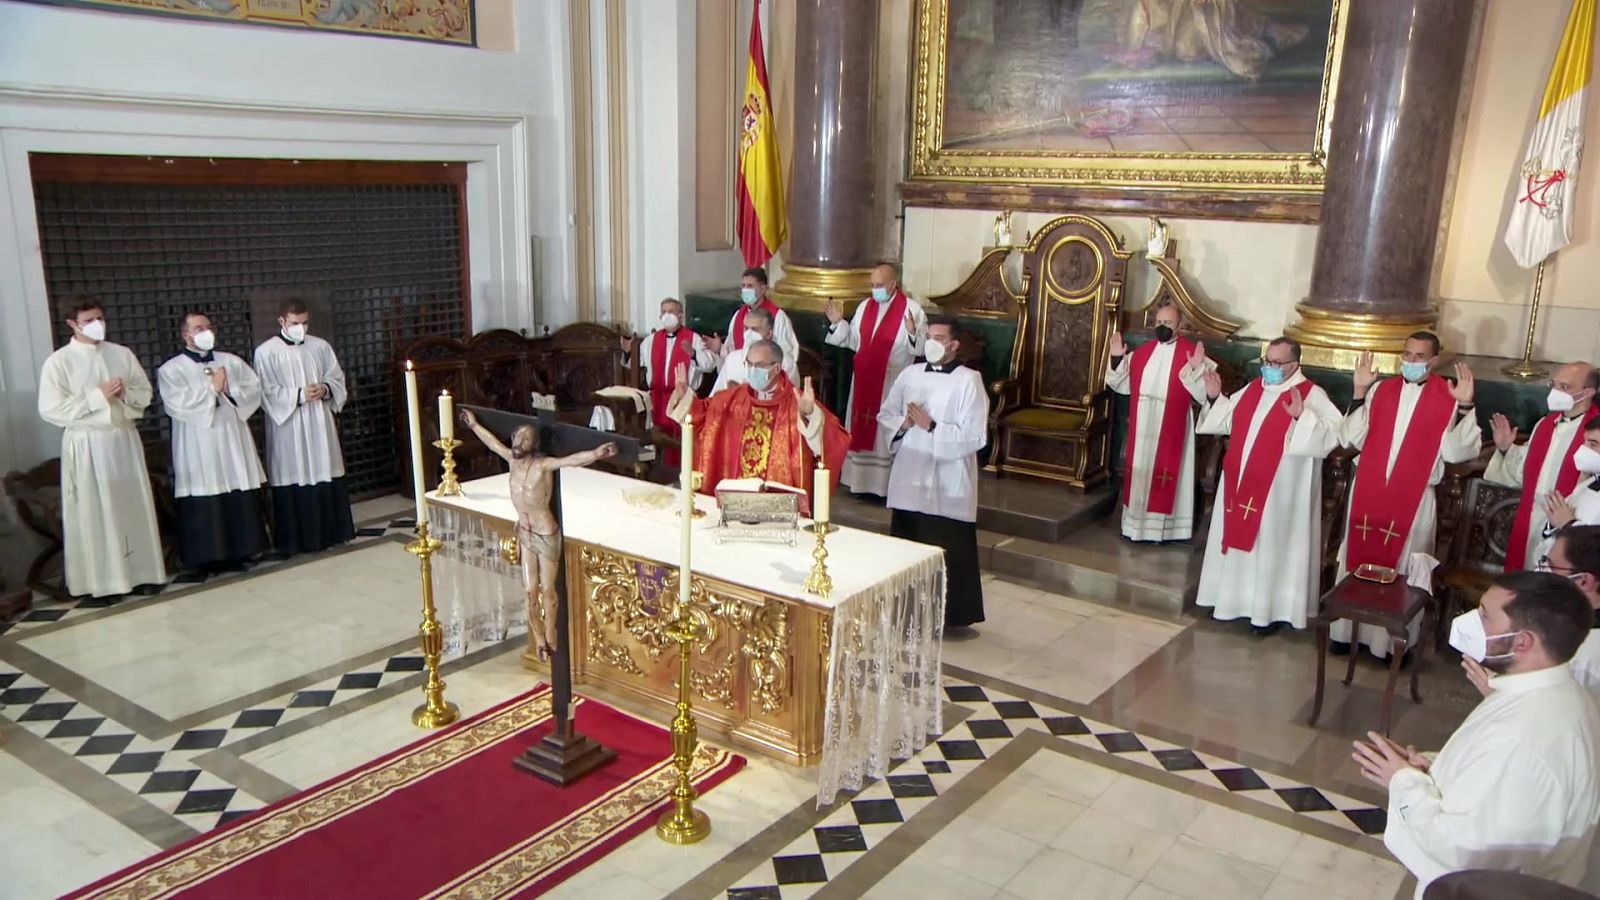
[1541, 214]
[762, 222]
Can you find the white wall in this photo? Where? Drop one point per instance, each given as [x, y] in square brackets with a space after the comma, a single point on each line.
[95, 82]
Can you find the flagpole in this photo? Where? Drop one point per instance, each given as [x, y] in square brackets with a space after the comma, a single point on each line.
[1525, 368]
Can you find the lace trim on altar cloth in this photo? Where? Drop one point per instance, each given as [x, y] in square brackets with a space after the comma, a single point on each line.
[480, 595]
[884, 699]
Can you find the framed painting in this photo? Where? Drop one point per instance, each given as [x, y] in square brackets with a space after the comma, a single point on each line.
[1213, 97]
[438, 21]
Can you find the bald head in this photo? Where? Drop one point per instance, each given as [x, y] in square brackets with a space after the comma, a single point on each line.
[1580, 381]
[886, 276]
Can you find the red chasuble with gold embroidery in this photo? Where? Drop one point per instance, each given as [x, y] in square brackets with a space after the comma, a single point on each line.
[1383, 503]
[738, 435]
[1248, 481]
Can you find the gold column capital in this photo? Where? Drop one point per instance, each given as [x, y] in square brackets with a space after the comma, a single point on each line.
[1332, 339]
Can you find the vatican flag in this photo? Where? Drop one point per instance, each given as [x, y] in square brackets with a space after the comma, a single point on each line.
[762, 222]
[1541, 214]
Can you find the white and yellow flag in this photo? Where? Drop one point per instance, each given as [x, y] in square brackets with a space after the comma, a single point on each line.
[1541, 211]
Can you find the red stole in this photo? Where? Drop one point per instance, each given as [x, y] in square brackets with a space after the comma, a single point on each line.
[1249, 481]
[1171, 429]
[721, 439]
[1383, 507]
[663, 366]
[738, 321]
[1538, 449]
[871, 367]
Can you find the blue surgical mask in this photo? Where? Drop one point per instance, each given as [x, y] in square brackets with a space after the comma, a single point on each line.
[880, 294]
[1413, 371]
[1272, 374]
[760, 379]
[748, 295]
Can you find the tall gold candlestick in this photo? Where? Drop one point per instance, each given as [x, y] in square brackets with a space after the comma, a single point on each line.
[819, 582]
[448, 485]
[435, 711]
[683, 824]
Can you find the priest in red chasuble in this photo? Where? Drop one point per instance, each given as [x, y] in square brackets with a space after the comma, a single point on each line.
[1543, 467]
[1163, 378]
[1407, 429]
[1264, 550]
[661, 353]
[765, 428]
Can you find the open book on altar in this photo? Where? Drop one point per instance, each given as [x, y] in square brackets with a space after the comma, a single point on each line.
[754, 486]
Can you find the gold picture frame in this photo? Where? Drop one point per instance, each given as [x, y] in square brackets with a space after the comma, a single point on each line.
[955, 158]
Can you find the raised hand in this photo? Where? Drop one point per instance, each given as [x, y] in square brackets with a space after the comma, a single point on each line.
[833, 311]
[1118, 348]
[1504, 434]
[911, 323]
[1213, 385]
[1197, 357]
[1465, 387]
[1294, 403]
[807, 398]
[469, 419]
[1365, 374]
[713, 342]
[680, 376]
[626, 342]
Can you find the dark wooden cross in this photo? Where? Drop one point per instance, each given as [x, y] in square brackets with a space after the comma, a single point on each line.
[564, 755]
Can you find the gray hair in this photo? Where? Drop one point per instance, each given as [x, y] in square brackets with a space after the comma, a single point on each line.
[759, 312]
[777, 351]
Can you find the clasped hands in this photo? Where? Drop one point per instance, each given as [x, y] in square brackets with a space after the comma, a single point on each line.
[918, 416]
[113, 388]
[315, 392]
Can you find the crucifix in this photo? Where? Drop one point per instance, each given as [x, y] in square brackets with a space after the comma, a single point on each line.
[1364, 528]
[564, 755]
[1389, 533]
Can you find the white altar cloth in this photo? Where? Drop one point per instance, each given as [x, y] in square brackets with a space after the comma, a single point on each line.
[888, 598]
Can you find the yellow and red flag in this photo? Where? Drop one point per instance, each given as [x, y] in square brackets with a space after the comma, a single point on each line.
[762, 222]
[1541, 214]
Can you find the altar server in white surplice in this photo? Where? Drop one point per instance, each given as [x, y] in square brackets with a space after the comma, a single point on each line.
[937, 419]
[885, 335]
[95, 390]
[302, 387]
[1543, 466]
[1264, 550]
[1407, 429]
[1516, 788]
[217, 475]
[1163, 377]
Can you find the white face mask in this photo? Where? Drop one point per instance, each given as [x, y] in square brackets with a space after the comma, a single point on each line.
[95, 330]
[751, 336]
[932, 351]
[749, 296]
[296, 332]
[1468, 637]
[1560, 401]
[669, 321]
[1586, 460]
[205, 340]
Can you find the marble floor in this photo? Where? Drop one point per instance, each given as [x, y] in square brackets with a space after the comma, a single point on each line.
[1089, 751]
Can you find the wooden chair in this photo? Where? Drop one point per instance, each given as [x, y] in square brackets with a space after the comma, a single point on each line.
[1053, 416]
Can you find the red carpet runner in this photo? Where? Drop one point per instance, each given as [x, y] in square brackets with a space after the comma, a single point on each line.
[446, 815]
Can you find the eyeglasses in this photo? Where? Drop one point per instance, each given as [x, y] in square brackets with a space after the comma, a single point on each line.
[1544, 566]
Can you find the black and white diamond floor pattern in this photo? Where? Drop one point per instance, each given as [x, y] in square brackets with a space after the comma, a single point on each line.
[48, 612]
[882, 806]
[163, 771]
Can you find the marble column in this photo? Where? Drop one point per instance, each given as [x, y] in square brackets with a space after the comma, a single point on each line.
[832, 174]
[1389, 155]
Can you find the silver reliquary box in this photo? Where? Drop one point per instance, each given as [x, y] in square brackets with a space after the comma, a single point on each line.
[758, 515]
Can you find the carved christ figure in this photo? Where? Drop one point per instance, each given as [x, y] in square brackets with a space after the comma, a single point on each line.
[538, 533]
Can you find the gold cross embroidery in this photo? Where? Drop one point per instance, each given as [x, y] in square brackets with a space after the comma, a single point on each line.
[1364, 528]
[1389, 534]
[1164, 477]
[1248, 508]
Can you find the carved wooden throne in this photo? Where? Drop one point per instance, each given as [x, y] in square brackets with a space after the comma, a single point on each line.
[1053, 416]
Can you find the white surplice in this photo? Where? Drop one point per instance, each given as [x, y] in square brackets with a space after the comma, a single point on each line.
[867, 472]
[302, 436]
[112, 541]
[701, 360]
[1514, 789]
[1138, 522]
[736, 371]
[1460, 443]
[1277, 581]
[1505, 467]
[936, 472]
[782, 334]
[213, 451]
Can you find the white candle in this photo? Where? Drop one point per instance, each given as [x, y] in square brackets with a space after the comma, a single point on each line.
[447, 417]
[414, 418]
[823, 482]
[686, 474]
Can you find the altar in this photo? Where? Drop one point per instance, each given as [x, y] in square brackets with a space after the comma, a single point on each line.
[847, 683]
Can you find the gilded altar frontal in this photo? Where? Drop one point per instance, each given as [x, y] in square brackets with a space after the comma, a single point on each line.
[1229, 94]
